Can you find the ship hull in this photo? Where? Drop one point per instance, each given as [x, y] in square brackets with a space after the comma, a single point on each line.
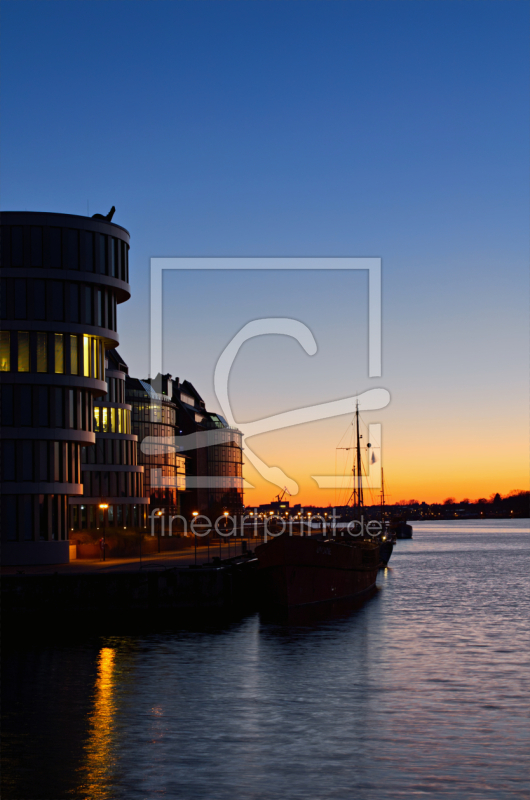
[298, 571]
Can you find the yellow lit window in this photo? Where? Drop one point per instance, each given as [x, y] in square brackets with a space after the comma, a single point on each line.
[96, 419]
[23, 351]
[95, 364]
[5, 355]
[120, 419]
[86, 356]
[74, 365]
[113, 420]
[42, 352]
[59, 353]
[127, 422]
[105, 420]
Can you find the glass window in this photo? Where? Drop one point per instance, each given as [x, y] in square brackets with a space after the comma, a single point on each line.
[105, 420]
[59, 353]
[5, 354]
[120, 419]
[42, 399]
[58, 408]
[96, 419]
[25, 405]
[74, 362]
[23, 351]
[113, 420]
[8, 460]
[88, 304]
[56, 462]
[113, 257]
[89, 251]
[20, 298]
[39, 299]
[57, 301]
[86, 356]
[36, 247]
[7, 404]
[95, 364]
[99, 307]
[55, 247]
[27, 460]
[17, 246]
[72, 255]
[102, 254]
[42, 352]
[71, 408]
[73, 307]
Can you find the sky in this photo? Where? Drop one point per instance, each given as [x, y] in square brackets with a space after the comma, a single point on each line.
[396, 129]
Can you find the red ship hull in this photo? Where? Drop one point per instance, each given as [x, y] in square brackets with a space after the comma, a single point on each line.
[299, 570]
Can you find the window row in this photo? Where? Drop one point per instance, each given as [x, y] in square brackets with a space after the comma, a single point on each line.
[66, 248]
[46, 407]
[110, 451]
[26, 460]
[225, 468]
[112, 420]
[34, 517]
[59, 353]
[92, 517]
[115, 391]
[219, 454]
[112, 484]
[57, 301]
[159, 413]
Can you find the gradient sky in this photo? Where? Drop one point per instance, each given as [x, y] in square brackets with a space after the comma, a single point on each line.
[395, 129]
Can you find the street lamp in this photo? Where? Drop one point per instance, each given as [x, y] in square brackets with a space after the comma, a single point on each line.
[103, 507]
[195, 514]
[159, 514]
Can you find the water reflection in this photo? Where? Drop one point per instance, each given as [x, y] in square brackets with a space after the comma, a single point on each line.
[97, 771]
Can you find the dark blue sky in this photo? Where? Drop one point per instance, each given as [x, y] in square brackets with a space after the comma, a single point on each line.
[394, 128]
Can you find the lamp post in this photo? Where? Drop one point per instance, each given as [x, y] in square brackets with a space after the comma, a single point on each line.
[225, 514]
[103, 507]
[195, 514]
[159, 514]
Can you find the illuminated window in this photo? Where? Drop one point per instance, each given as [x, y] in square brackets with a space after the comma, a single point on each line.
[94, 358]
[120, 420]
[112, 420]
[105, 420]
[5, 356]
[23, 351]
[74, 365]
[86, 356]
[59, 353]
[96, 419]
[42, 352]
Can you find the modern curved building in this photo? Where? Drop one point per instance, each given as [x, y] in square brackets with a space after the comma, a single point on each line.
[109, 469]
[62, 278]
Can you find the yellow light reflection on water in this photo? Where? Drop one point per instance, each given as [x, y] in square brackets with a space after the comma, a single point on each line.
[98, 749]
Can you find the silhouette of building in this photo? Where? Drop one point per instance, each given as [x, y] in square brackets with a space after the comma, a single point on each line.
[62, 279]
[110, 471]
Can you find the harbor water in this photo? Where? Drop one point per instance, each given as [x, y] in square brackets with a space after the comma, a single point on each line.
[422, 691]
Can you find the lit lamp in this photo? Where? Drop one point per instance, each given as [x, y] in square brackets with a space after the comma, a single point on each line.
[103, 507]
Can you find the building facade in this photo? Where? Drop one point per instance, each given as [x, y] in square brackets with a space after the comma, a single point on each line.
[215, 468]
[62, 278]
[153, 420]
[110, 471]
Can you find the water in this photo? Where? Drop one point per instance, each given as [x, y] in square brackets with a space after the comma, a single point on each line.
[421, 692]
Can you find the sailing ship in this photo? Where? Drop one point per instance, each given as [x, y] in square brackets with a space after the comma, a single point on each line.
[302, 570]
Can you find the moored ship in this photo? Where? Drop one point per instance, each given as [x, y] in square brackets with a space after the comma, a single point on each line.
[299, 570]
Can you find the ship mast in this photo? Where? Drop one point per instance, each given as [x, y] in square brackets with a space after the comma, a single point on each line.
[358, 490]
